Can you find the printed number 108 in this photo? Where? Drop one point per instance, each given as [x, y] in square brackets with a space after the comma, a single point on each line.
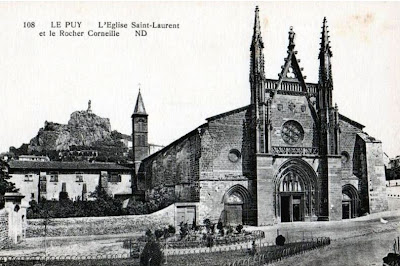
[29, 24]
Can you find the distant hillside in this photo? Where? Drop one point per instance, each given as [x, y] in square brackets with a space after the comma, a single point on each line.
[85, 137]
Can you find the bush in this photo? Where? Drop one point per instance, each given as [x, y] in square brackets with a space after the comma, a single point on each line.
[159, 233]
[280, 240]
[239, 228]
[184, 230]
[151, 254]
[166, 233]
[195, 227]
[212, 228]
[210, 241]
[103, 205]
[207, 223]
[220, 228]
[149, 233]
[63, 195]
[171, 229]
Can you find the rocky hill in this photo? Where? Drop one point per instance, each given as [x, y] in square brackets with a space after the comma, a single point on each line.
[85, 131]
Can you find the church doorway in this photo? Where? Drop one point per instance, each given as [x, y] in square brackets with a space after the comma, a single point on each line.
[295, 192]
[292, 206]
[350, 202]
[236, 206]
[234, 213]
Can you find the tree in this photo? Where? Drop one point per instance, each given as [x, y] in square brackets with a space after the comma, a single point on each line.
[171, 230]
[280, 240]
[239, 228]
[106, 204]
[158, 233]
[207, 223]
[184, 230]
[5, 185]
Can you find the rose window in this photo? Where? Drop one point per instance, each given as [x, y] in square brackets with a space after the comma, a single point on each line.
[292, 132]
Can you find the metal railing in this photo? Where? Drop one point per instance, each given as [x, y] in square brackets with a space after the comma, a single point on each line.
[279, 254]
[42, 258]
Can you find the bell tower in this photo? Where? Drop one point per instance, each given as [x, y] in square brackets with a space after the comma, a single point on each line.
[140, 144]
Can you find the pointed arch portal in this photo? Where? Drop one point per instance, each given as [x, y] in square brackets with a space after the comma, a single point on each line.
[236, 205]
[296, 192]
[350, 202]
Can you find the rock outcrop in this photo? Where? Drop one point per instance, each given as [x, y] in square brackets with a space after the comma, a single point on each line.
[83, 129]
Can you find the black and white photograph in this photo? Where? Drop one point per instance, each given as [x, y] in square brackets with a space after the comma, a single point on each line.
[199, 133]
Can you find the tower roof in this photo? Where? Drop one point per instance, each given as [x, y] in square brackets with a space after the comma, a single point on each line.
[325, 54]
[139, 108]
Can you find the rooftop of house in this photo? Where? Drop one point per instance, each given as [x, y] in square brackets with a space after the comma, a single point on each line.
[56, 165]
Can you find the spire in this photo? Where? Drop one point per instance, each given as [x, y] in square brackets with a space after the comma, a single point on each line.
[257, 75]
[325, 53]
[139, 108]
[257, 39]
[325, 82]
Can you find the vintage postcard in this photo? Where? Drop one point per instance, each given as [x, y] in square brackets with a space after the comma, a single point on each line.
[199, 133]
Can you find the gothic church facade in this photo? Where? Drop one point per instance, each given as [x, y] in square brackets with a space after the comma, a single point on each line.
[287, 156]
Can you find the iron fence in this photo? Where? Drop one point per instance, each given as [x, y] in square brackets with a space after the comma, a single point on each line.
[279, 254]
[43, 258]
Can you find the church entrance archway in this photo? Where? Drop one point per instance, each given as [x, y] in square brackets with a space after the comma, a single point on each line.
[236, 206]
[350, 202]
[296, 192]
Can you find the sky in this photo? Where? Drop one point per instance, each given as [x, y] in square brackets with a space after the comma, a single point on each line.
[190, 73]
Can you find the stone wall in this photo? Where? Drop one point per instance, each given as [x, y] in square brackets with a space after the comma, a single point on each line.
[393, 194]
[376, 177]
[227, 160]
[176, 166]
[212, 198]
[268, 168]
[285, 108]
[4, 241]
[335, 188]
[102, 225]
[393, 202]
[347, 145]
[265, 190]
[223, 146]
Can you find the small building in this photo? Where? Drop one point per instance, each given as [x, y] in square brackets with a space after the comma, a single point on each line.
[46, 179]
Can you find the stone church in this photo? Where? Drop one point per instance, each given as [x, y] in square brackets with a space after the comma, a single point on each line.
[288, 156]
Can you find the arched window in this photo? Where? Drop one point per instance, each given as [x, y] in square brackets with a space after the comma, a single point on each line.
[141, 125]
[291, 183]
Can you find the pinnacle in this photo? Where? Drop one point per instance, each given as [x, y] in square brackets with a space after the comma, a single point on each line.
[292, 35]
[325, 47]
